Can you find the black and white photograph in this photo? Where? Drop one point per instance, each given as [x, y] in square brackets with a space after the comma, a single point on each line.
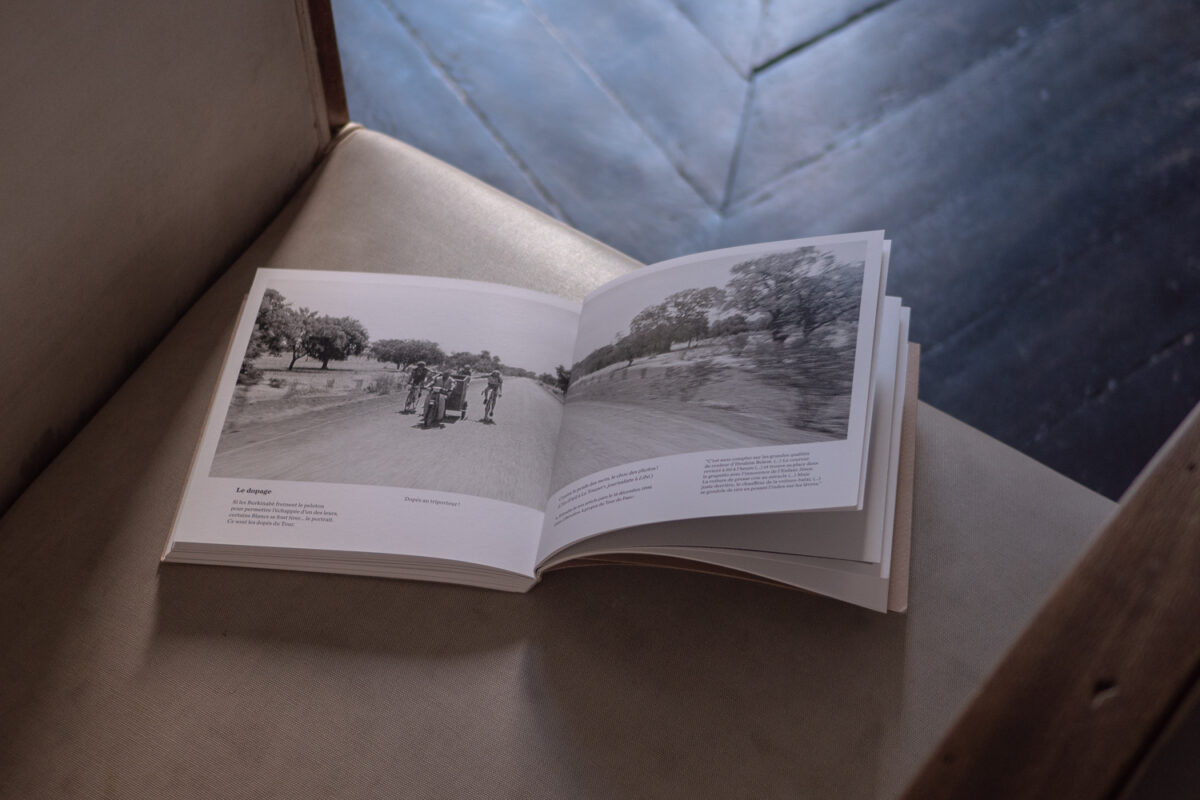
[409, 383]
[719, 353]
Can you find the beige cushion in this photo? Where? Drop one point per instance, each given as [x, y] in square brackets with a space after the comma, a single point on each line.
[120, 678]
[145, 145]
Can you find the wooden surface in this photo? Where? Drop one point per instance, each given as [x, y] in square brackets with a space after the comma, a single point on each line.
[1090, 686]
[321, 15]
[1034, 161]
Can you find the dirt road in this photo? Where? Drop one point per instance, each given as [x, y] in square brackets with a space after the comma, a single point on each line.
[598, 435]
[371, 442]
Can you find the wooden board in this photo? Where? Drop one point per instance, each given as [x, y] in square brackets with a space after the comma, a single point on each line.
[1090, 686]
[320, 13]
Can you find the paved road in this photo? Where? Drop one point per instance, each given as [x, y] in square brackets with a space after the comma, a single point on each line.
[371, 442]
[599, 435]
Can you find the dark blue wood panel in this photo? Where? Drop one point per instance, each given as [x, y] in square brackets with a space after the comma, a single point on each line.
[828, 93]
[669, 77]
[731, 25]
[593, 159]
[1105, 441]
[393, 86]
[788, 24]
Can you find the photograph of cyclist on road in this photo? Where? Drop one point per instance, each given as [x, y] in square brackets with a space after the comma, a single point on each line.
[490, 393]
[368, 380]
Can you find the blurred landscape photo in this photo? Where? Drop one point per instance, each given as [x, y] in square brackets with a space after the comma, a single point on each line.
[713, 356]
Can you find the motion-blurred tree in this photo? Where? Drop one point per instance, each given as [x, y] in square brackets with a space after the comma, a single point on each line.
[774, 288]
[687, 313]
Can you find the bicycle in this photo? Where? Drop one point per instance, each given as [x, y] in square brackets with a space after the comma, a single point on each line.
[489, 402]
[414, 396]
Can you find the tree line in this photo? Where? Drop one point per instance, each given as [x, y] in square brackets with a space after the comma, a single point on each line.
[782, 294]
[280, 329]
[283, 330]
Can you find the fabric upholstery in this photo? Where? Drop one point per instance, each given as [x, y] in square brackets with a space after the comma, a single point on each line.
[145, 145]
[121, 678]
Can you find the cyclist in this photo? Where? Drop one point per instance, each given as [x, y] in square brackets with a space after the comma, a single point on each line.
[492, 391]
[415, 383]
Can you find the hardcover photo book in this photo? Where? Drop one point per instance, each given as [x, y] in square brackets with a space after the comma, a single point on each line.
[748, 412]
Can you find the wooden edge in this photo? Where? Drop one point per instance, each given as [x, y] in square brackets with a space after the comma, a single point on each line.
[1088, 689]
[902, 526]
[320, 14]
[668, 562]
[1158, 773]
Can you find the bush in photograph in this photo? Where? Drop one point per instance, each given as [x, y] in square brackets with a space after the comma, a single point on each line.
[562, 378]
[737, 343]
[697, 376]
[383, 384]
[819, 369]
[249, 374]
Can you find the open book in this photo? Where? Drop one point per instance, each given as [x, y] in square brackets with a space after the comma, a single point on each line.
[739, 411]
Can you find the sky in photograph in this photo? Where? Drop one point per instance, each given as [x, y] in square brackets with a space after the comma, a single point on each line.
[524, 329]
[609, 311]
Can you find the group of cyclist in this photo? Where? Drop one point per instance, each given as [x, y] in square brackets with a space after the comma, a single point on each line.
[440, 383]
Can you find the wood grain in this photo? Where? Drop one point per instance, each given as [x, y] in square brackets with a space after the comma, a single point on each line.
[1089, 687]
[320, 12]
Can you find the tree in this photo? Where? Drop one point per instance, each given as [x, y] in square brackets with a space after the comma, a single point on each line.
[297, 325]
[832, 296]
[278, 329]
[682, 317]
[687, 312]
[335, 339]
[486, 361]
[625, 349]
[729, 326]
[650, 330]
[785, 290]
[269, 334]
[387, 351]
[461, 360]
[403, 352]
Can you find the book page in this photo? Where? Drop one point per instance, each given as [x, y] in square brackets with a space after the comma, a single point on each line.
[803, 549]
[727, 383]
[385, 414]
[849, 535]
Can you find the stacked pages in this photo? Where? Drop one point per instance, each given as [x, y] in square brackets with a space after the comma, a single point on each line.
[746, 411]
